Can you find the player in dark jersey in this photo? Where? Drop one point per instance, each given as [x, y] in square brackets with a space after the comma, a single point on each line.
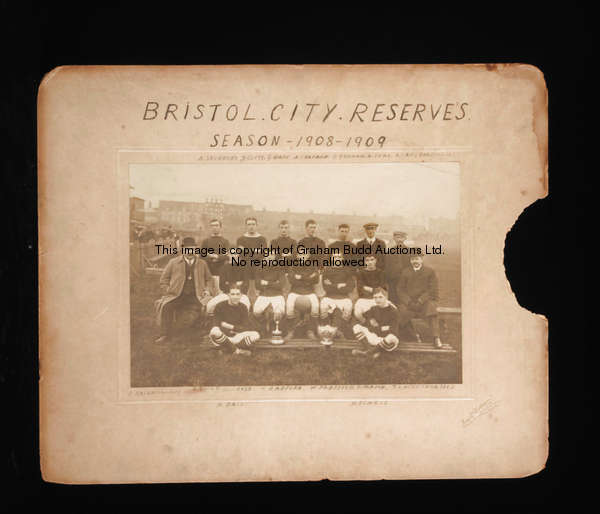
[336, 305]
[232, 330]
[269, 305]
[215, 242]
[251, 239]
[303, 280]
[284, 242]
[380, 328]
[310, 240]
[343, 240]
[231, 275]
[367, 279]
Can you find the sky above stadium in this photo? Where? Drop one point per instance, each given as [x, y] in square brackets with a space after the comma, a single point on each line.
[387, 189]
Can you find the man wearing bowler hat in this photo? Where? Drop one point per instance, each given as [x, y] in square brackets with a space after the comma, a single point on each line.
[395, 263]
[186, 282]
[374, 243]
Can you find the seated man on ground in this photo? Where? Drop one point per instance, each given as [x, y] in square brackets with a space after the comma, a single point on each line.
[232, 330]
[336, 305]
[417, 298]
[380, 328]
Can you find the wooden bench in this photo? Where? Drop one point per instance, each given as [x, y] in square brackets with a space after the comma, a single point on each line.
[346, 344]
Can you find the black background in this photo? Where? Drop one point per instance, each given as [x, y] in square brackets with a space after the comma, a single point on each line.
[544, 253]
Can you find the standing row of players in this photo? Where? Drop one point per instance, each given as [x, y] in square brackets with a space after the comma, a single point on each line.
[377, 320]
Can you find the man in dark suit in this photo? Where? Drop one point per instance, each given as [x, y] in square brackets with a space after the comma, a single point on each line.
[372, 242]
[395, 263]
[418, 297]
[186, 282]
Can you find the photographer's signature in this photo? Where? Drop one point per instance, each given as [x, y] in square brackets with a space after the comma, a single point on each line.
[483, 408]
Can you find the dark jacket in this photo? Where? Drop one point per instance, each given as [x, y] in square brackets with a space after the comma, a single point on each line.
[232, 274]
[395, 264]
[284, 242]
[378, 243]
[314, 242]
[173, 278]
[333, 277]
[416, 286]
[214, 242]
[340, 246]
[274, 278]
[371, 279]
[382, 320]
[303, 280]
[236, 315]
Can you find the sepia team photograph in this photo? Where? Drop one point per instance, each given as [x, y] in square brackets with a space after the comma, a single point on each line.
[294, 274]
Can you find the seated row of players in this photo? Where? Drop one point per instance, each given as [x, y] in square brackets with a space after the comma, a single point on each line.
[233, 332]
[330, 317]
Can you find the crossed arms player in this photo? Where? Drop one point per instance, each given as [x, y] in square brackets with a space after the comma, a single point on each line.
[270, 304]
[302, 282]
[336, 305]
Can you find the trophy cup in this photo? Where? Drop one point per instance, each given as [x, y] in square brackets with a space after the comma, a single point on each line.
[326, 334]
[276, 335]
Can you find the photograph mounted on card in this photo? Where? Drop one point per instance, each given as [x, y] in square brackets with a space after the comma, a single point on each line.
[294, 243]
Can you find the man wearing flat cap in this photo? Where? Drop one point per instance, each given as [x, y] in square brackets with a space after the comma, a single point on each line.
[395, 263]
[372, 242]
[186, 282]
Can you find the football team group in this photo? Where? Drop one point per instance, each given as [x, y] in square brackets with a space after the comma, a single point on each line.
[374, 305]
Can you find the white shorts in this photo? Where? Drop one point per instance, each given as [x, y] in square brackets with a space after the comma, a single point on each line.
[263, 302]
[388, 343]
[222, 297]
[291, 303]
[328, 305]
[247, 336]
[361, 306]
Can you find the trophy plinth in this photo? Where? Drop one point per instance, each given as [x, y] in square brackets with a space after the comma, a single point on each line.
[276, 336]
